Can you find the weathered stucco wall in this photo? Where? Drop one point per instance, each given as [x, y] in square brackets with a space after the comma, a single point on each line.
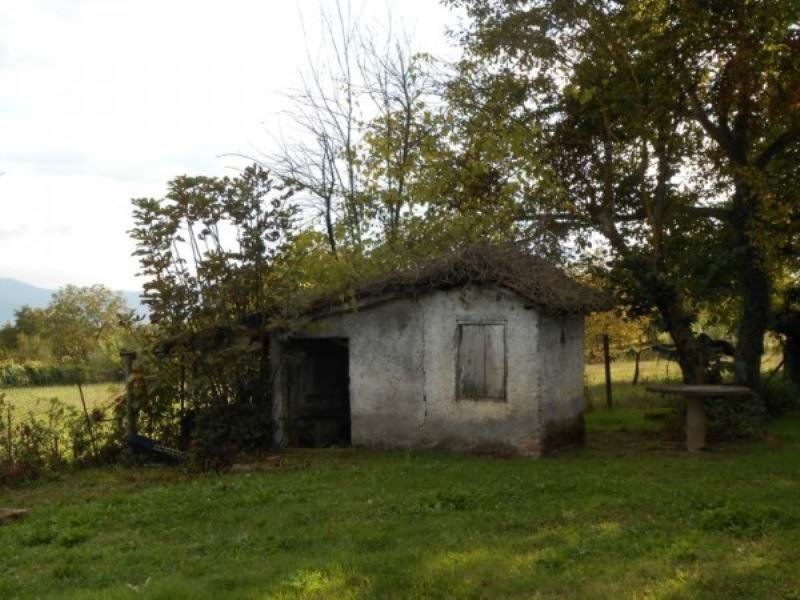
[512, 424]
[386, 372]
[403, 356]
[561, 382]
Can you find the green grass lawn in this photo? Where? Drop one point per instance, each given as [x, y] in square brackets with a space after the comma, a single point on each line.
[622, 518]
[35, 399]
[629, 516]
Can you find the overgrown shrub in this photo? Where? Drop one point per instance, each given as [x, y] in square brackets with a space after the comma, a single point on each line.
[14, 375]
[747, 417]
[34, 373]
[780, 396]
[158, 410]
[35, 444]
[736, 418]
[223, 431]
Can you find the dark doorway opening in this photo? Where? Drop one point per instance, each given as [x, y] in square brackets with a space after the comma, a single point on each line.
[319, 392]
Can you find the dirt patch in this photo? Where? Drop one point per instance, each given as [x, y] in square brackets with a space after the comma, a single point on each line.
[267, 463]
[564, 434]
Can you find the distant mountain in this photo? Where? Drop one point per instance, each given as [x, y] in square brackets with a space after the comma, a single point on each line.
[15, 294]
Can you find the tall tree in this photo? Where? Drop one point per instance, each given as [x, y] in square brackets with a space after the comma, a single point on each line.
[22, 338]
[358, 128]
[80, 322]
[629, 114]
[209, 251]
[321, 157]
[739, 67]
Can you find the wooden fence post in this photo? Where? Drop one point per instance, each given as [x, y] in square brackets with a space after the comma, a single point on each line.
[131, 411]
[607, 359]
[636, 368]
[9, 440]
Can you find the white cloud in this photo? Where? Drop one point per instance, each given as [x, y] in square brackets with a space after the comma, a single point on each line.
[105, 100]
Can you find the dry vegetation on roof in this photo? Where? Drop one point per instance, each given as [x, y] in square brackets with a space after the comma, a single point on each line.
[533, 278]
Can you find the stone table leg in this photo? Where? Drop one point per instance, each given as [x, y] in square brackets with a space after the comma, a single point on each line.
[695, 425]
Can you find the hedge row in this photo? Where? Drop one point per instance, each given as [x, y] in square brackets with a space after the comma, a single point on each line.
[17, 375]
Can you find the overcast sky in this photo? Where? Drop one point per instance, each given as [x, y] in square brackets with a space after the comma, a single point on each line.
[105, 100]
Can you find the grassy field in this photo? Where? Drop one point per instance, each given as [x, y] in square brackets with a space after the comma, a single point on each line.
[631, 515]
[624, 393]
[35, 399]
[623, 518]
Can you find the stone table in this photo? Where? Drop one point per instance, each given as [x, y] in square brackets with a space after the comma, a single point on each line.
[695, 395]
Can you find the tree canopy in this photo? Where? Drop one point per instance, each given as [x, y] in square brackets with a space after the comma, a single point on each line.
[662, 129]
[81, 327]
[648, 144]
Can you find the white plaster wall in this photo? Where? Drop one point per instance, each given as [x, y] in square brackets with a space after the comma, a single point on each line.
[386, 371]
[562, 368]
[480, 423]
[403, 372]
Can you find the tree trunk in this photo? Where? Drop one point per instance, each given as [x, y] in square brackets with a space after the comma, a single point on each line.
[753, 326]
[787, 324]
[329, 230]
[756, 287]
[636, 369]
[791, 358]
[678, 323]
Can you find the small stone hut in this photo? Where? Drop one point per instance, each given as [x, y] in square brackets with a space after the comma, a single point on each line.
[480, 350]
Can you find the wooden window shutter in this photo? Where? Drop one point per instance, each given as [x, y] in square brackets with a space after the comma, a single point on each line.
[481, 362]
